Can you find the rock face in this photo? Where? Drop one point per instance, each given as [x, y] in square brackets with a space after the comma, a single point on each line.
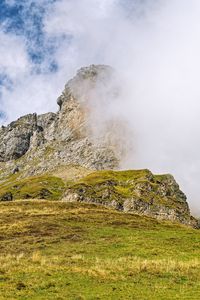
[15, 138]
[42, 142]
[137, 191]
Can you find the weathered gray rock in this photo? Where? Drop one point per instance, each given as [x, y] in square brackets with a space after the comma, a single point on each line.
[15, 138]
[6, 197]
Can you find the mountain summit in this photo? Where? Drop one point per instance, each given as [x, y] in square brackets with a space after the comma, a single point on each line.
[73, 135]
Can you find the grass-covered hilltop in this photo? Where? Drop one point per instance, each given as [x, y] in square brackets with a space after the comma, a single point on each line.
[73, 225]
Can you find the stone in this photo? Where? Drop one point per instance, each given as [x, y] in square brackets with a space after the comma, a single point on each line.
[16, 170]
[6, 197]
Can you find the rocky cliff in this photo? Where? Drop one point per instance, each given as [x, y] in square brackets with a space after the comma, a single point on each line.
[37, 143]
[47, 156]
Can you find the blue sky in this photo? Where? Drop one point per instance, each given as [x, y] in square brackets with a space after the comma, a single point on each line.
[25, 18]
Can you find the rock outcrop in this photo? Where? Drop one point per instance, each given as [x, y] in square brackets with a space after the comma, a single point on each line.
[15, 138]
[137, 191]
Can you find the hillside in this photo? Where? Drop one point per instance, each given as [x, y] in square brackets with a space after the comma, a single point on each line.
[73, 224]
[82, 252]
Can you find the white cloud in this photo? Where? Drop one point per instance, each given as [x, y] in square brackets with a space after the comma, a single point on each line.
[13, 55]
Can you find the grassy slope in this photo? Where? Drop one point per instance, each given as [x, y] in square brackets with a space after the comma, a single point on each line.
[44, 187]
[56, 250]
[49, 186]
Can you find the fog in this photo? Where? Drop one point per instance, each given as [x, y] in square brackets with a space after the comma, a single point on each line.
[155, 47]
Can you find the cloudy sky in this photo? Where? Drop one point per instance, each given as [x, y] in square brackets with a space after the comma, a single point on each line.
[153, 44]
[28, 62]
[43, 42]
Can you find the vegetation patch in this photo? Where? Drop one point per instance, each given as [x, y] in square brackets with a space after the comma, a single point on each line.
[39, 187]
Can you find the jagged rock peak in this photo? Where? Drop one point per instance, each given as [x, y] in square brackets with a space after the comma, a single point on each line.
[86, 80]
[74, 124]
[53, 139]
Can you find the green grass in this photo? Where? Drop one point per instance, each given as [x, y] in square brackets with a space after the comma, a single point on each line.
[56, 250]
[122, 176]
[42, 187]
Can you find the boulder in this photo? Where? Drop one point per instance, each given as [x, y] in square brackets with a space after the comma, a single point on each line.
[6, 197]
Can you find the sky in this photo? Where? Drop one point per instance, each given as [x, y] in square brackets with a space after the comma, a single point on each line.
[41, 47]
[153, 44]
